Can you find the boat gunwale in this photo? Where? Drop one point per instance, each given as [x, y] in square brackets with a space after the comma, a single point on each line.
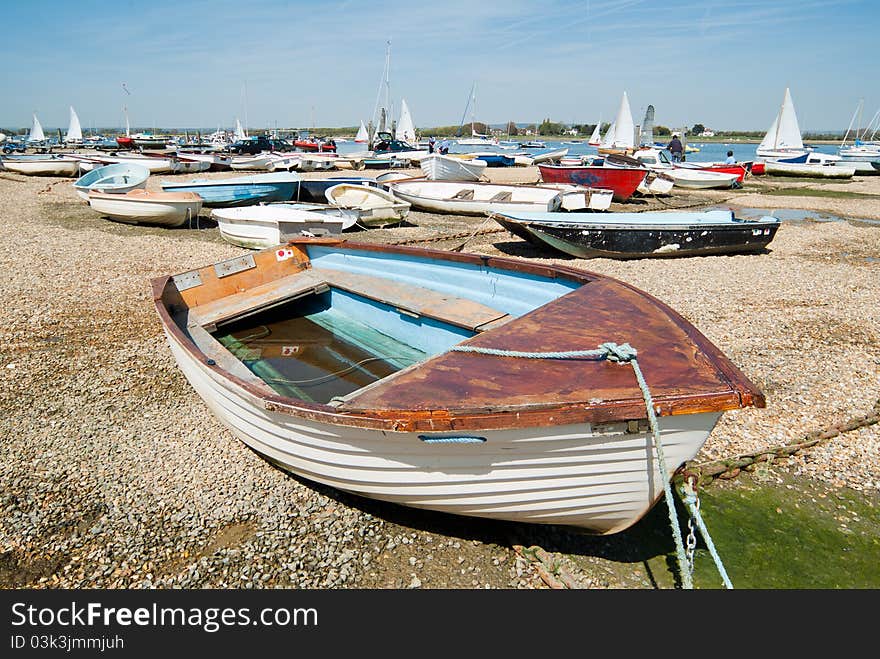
[742, 392]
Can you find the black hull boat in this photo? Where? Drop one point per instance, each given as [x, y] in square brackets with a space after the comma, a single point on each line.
[642, 235]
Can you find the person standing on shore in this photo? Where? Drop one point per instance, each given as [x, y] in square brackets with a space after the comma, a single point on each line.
[675, 148]
[431, 145]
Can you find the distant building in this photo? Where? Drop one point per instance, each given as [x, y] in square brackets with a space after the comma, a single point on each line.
[570, 131]
[707, 133]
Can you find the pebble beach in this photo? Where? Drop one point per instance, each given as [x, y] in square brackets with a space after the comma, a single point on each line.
[116, 475]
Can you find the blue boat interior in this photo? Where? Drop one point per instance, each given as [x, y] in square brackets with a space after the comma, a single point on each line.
[376, 314]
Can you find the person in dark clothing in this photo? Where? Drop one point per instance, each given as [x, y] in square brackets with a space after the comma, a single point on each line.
[431, 145]
[675, 148]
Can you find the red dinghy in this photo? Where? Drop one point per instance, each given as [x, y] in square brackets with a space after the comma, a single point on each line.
[314, 145]
[622, 180]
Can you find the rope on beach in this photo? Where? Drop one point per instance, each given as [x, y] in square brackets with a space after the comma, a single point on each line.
[731, 467]
[623, 354]
[448, 236]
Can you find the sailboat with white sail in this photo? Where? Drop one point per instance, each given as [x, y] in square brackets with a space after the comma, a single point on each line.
[596, 137]
[239, 133]
[476, 139]
[362, 136]
[646, 137]
[406, 130]
[620, 137]
[36, 134]
[74, 129]
[783, 139]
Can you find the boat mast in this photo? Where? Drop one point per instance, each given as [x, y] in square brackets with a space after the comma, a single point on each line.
[473, 107]
[779, 120]
[849, 128]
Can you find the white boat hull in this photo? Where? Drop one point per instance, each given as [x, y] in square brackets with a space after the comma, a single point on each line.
[574, 475]
[47, 167]
[375, 207]
[807, 170]
[158, 213]
[259, 227]
[443, 168]
[696, 180]
[256, 163]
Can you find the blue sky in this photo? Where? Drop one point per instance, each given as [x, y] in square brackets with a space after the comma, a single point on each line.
[723, 63]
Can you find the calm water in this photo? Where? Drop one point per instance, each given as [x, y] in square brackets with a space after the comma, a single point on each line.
[710, 152]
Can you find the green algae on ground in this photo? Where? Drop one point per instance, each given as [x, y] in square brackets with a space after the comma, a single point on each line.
[779, 532]
[791, 535]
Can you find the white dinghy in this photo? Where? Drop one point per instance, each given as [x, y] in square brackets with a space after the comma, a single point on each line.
[465, 198]
[259, 227]
[168, 209]
[808, 170]
[376, 207]
[444, 168]
[48, 165]
[118, 178]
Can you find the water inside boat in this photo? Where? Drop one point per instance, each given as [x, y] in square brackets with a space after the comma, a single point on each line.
[308, 349]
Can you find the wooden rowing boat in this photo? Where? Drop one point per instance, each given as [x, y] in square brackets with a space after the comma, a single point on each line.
[343, 363]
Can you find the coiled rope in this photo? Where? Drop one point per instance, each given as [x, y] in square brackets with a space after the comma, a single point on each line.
[623, 354]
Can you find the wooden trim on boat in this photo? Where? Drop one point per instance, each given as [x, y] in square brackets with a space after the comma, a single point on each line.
[734, 389]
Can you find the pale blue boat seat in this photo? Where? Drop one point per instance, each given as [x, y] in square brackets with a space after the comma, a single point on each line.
[453, 310]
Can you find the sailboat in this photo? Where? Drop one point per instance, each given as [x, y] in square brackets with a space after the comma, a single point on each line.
[74, 130]
[620, 136]
[36, 134]
[406, 131]
[476, 139]
[783, 139]
[596, 137]
[646, 137]
[239, 131]
[362, 135]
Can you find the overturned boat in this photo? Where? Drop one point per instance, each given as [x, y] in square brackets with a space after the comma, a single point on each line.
[266, 225]
[167, 209]
[642, 235]
[421, 377]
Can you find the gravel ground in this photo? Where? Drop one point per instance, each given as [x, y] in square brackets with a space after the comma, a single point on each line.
[115, 474]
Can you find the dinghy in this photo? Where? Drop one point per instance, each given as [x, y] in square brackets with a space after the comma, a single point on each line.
[259, 227]
[370, 368]
[42, 165]
[259, 162]
[623, 181]
[118, 178]
[808, 170]
[445, 168]
[685, 176]
[642, 235]
[465, 198]
[168, 209]
[239, 191]
[376, 207]
[314, 190]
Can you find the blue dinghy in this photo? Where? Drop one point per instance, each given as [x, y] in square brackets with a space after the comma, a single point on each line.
[239, 191]
[117, 178]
